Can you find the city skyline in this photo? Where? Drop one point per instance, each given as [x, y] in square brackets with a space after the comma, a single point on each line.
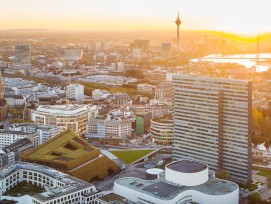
[240, 17]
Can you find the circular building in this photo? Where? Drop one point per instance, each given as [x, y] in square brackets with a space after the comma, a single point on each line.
[161, 129]
[154, 173]
[187, 173]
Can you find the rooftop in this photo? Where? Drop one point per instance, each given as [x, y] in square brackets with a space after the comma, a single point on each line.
[165, 118]
[71, 183]
[187, 166]
[16, 145]
[72, 154]
[63, 109]
[112, 197]
[165, 190]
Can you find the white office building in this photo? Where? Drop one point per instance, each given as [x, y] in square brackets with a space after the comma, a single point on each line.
[212, 123]
[8, 137]
[45, 132]
[137, 53]
[15, 101]
[75, 91]
[74, 117]
[98, 94]
[73, 55]
[108, 129]
[58, 187]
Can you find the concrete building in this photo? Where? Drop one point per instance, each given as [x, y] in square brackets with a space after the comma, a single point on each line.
[137, 53]
[3, 102]
[3, 159]
[112, 129]
[98, 94]
[22, 54]
[15, 149]
[74, 117]
[15, 101]
[73, 55]
[117, 66]
[166, 50]
[120, 99]
[142, 122]
[8, 137]
[162, 130]
[45, 132]
[163, 91]
[75, 91]
[141, 44]
[212, 123]
[145, 88]
[98, 46]
[59, 187]
[184, 181]
[100, 57]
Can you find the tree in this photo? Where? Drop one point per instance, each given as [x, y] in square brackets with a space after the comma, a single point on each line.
[222, 174]
[268, 181]
[254, 198]
[134, 73]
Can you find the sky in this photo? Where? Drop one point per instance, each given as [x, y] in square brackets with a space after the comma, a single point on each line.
[235, 16]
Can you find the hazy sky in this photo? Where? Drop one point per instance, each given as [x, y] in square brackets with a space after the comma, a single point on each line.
[239, 16]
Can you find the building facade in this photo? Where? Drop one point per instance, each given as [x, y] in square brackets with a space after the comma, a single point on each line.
[75, 91]
[45, 132]
[8, 137]
[22, 54]
[166, 50]
[162, 130]
[112, 129]
[74, 117]
[3, 102]
[59, 188]
[212, 123]
[163, 91]
[15, 101]
[183, 181]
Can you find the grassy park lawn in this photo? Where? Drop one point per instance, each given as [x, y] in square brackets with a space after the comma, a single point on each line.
[264, 173]
[24, 188]
[129, 156]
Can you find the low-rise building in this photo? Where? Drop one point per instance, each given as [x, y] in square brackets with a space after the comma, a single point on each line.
[75, 91]
[15, 101]
[58, 187]
[184, 181]
[145, 88]
[74, 117]
[162, 130]
[45, 132]
[163, 91]
[120, 99]
[8, 137]
[15, 149]
[98, 94]
[108, 129]
[142, 122]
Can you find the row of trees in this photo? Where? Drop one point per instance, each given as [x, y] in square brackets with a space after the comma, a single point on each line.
[261, 125]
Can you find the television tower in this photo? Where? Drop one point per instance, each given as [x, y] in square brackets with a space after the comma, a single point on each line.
[178, 23]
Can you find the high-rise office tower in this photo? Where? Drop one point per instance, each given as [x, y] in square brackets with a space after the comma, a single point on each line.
[178, 23]
[141, 44]
[212, 123]
[166, 50]
[22, 54]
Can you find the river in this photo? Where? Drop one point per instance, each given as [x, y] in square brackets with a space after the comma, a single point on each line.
[247, 60]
